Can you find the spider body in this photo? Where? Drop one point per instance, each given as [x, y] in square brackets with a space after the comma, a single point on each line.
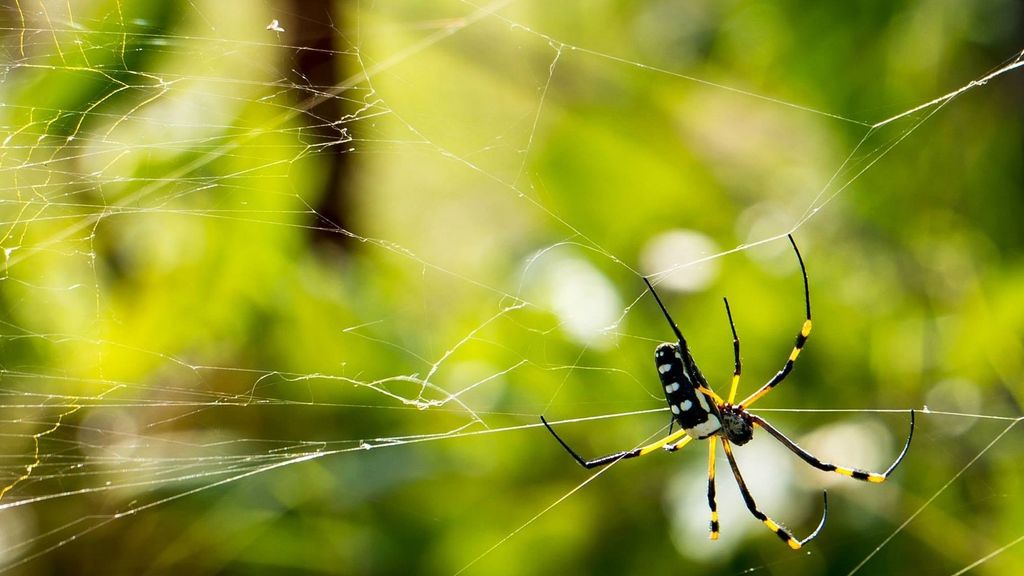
[695, 412]
[703, 415]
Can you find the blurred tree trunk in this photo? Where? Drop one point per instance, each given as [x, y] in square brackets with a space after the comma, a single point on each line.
[317, 27]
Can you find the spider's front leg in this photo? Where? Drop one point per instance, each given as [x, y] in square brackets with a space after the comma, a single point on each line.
[604, 460]
[801, 339]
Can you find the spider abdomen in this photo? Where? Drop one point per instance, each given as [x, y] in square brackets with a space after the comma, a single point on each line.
[691, 409]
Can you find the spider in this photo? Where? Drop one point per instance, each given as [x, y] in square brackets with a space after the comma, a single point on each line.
[702, 415]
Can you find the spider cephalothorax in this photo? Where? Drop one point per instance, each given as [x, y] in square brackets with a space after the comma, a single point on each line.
[703, 415]
[737, 425]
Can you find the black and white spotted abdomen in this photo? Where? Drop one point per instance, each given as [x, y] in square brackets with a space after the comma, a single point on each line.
[692, 410]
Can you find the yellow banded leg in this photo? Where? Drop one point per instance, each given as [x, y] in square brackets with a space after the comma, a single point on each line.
[855, 473]
[801, 340]
[672, 439]
[711, 394]
[611, 458]
[748, 499]
[678, 445]
[712, 445]
[737, 365]
[861, 474]
[733, 387]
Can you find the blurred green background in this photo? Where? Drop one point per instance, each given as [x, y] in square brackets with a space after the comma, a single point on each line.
[287, 285]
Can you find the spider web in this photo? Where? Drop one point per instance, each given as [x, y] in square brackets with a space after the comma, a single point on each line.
[287, 288]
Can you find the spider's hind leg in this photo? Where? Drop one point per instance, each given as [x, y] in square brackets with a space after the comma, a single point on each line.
[711, 487]
[855, 473]
[748, 499]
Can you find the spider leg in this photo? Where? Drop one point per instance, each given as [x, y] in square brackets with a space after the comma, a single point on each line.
[678, 445]
[671, 322]
[855, 473]
[801, 339]
[711, 394]
[683, 349]
[752, 506]
[711, 487]
[736, 355]
[603, 460]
